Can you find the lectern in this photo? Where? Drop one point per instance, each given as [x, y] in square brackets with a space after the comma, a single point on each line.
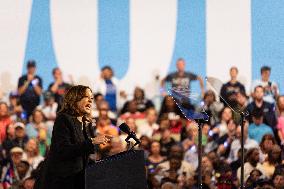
[125, 170]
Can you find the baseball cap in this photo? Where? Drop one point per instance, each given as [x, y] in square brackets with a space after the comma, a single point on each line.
[48, 95]
[16, 150]
[19, 125]
[31, 63]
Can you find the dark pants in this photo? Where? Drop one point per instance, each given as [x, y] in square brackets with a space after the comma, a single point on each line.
[76, 181]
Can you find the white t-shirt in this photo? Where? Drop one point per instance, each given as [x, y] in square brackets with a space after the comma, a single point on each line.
[269, 91]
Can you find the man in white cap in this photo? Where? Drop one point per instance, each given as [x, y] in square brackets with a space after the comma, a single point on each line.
[20, 135]
[15, 171]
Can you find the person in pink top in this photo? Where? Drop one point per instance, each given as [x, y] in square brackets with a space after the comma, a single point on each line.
[5, 120]
[280, 123]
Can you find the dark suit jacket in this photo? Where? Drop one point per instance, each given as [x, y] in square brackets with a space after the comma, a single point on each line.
[269, 116]
[69, 150]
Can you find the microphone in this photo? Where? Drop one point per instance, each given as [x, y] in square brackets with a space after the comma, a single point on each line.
[131, 134]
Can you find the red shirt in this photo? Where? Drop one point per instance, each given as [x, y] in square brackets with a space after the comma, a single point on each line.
[4, 122]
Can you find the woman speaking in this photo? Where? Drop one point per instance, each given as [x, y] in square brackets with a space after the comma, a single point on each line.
[72, 142]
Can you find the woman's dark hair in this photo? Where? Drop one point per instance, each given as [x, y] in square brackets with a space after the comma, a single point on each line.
[5, 104]
[150, 146]
[266, 137]
[54, 70]
[270, 158]
[208, 93]
[164, 108]
[108, 68]
[249, 154]
[73, 95]
[141, 90]
[33, 115]
[222, 111]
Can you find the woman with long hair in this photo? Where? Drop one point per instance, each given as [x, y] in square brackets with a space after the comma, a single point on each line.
[273, 160]
[72, 142]
[265, 145]
[32, 155]
[155, 156]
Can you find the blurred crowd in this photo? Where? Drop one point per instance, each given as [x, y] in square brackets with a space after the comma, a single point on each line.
[168, 138]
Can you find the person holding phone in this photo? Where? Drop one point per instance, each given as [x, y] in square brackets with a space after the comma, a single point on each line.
[30, 89]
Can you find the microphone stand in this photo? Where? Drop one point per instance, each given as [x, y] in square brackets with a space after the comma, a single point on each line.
[200, 123]
[243, 115]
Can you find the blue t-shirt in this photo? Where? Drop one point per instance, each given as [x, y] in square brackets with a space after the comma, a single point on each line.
[256, 132]
[110, 96]
[31, 131]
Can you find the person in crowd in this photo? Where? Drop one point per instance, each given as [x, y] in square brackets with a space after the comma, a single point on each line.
[267, 142]
[49, 107]
[181, 78]
[116, 146]
[131, 111]
[242, 103]
[98, 98]
[9, 142]
[142, 102]
[173, 172]
[32, 155]
[16, 171]
[230, 89]
[104, 126]
[258, 129]
[268, 109]
[224, 177]
[58, 87]
[21, 137]
[108, 86]
[190, 145]
[273, 160]
[148, 126]
[242, 100]
[252, 162]
[177, 152]
[253, 179]
[30, 89]
[43, 142]
[5, 120]
[280, 119]
[169, 185]
[29, 183]
[211, 106]
[104, 112]
[271, 90]
[224, 142]
[206, 164]
[169, 108]
[38, 123]
[73, 140]
[278, 180]
[155, 156]
[235, 165]
[226, 115]
[145, 145]
[236, 144]
[166, 141]
[15, 108]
